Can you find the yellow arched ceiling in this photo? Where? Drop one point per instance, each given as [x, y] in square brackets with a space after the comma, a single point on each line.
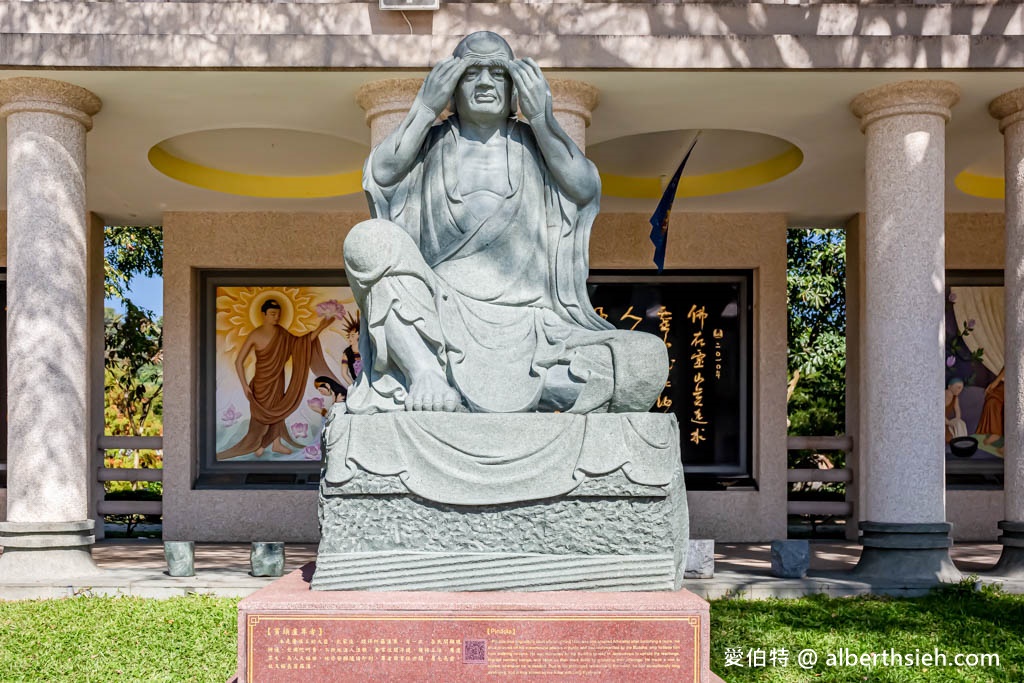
[268, 162]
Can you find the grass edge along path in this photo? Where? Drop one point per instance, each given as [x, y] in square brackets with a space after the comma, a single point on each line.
[193, 638]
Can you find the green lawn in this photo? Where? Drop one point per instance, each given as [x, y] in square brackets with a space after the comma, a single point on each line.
[953, 620]
[193, 639]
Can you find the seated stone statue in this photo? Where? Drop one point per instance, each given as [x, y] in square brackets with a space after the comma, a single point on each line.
[471, 276]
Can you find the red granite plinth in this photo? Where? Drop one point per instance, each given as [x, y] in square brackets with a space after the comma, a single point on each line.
[286, 632]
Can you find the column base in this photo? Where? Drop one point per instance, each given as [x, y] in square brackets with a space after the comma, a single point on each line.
[1011, 561]
[915, 553]
[39, 551]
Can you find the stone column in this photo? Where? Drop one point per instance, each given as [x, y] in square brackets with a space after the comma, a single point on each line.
[905, 535]
[573, 102]
[387, 102]
[48, 531]
[1009, 110]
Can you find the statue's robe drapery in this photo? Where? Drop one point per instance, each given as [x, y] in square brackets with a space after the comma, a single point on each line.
[272, 398]
[501, 299]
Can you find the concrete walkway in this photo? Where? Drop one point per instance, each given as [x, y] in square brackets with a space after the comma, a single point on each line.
[137, 567]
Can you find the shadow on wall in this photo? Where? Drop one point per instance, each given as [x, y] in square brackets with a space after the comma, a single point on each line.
[609, 36]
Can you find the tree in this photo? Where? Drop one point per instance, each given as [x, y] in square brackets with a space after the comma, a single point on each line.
[130, 251]
[816, 390]
[133, 357]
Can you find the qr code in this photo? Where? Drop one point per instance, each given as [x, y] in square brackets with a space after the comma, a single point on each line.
[474, 651]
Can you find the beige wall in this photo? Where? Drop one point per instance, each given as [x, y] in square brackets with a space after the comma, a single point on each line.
[193, 242]
[228, 240]
[973, 242]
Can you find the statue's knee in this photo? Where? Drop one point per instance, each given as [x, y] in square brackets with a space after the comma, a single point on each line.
[640, 373]
[655, 356]
[368, 246]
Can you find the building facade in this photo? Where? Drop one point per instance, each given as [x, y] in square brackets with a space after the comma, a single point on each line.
[242, 128]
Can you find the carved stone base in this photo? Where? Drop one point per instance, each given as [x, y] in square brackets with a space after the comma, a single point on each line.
[608, 532]
[914, 553]
[46, 550]
[404, 570]
[1011, 561]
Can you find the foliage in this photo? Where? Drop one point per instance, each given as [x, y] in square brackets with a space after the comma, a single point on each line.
[955, 620]
[133, 359]
[130, 251]
[134, 372]
[816, 287]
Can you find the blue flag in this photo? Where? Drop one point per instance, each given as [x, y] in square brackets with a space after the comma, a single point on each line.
[659, 221]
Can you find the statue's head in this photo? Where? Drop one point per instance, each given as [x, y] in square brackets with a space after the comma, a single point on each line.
[486, 87]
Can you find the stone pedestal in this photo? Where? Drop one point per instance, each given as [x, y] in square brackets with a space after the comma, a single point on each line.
[530, 502]
[902, 374]
[1009, 110]
[286, 632]
[48, 528]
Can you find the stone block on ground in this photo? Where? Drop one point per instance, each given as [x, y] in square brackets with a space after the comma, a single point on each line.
[700, 560]
[180, 557]
[267, 558]
[791, 559]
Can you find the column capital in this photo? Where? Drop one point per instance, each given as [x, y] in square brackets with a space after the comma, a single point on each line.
[29, 94]
[572, 103]
[386, 103]
[576, 97]
[388, 95]
[1008, 108]
[905, 98]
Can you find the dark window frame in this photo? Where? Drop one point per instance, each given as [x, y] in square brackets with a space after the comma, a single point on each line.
[211, 474]
[713, 477]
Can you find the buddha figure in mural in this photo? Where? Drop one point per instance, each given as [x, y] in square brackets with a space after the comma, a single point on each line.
[471, 275]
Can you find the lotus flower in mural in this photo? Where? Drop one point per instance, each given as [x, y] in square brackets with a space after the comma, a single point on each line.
[300, 430]
[331, 308]
[316, 403]
[311, 453]
[230, 416]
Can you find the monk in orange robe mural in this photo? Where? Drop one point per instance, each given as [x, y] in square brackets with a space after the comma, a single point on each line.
[270, 399]
[991, 421]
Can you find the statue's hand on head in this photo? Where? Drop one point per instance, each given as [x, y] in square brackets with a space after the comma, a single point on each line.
[439, 86]
[532, 86]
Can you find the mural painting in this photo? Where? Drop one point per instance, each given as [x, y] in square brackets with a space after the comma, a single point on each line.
[975, 322]
[284, 355]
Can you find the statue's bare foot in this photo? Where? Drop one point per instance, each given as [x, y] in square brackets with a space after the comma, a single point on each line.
[432, 393]
[279, 447]
[259, 452]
